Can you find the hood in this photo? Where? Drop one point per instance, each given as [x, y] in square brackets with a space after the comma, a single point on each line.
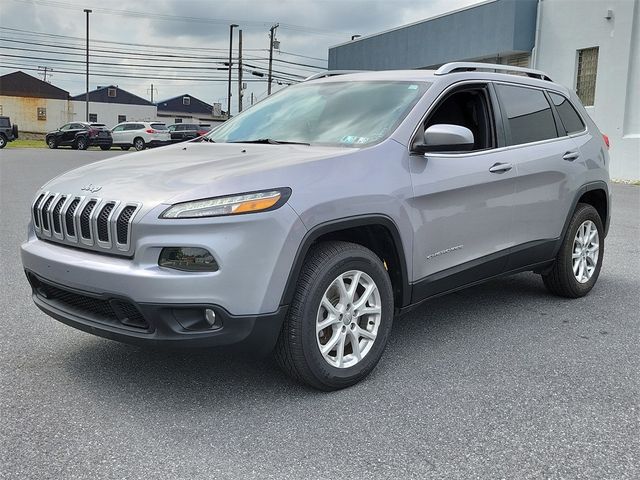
[188, 171]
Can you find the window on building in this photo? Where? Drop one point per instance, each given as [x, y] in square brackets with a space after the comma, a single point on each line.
[93, 117]
[178, 120]
[186, 100]
[122, 118]
[586, 75]
[529, 114]
[0, 109]
[111, 92]
[42, 113]
[570, 119]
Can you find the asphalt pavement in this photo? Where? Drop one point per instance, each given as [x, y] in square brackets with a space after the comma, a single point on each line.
[498, 381]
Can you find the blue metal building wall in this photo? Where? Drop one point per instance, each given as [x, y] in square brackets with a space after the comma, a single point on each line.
[500, 27]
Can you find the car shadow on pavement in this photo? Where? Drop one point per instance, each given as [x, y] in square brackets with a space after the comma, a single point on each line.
[212, 376]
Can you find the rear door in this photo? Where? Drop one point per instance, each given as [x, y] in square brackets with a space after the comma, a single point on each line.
[544, 157]
[118, 135]
[462, 200]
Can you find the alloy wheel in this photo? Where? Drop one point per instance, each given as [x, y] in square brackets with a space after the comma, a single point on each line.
[586, 248]
[348, 319]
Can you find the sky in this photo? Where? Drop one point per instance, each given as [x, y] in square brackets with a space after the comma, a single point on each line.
[180, 44]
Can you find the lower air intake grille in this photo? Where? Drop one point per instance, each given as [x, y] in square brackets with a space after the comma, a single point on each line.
[113, 311]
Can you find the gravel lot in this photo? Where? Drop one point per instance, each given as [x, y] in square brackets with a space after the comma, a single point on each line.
[498, 381]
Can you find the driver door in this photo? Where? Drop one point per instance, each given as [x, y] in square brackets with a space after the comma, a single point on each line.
[463, 201]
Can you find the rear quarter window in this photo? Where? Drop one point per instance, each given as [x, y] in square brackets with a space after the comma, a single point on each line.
[570, 119]
[528, 113]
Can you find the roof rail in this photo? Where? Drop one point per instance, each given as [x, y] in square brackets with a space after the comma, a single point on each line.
[454, 67]
[331, 73]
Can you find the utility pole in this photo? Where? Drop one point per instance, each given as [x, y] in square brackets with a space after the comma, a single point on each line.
[239, 71]
[231, 27]
[272, 32]
[87, 11]
[44, 72]
[152, 89]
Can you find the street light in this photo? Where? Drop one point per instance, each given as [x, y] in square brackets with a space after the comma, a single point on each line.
[231, 27]
[87, 11]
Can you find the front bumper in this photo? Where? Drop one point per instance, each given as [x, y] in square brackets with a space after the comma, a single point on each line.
[159, 325]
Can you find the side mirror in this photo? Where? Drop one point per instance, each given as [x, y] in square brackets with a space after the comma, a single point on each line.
[445, 138]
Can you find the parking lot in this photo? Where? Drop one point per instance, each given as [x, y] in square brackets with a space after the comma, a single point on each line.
[498, 381]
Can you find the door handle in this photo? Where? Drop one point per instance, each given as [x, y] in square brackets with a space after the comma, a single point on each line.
[570, 156]
[501, 168]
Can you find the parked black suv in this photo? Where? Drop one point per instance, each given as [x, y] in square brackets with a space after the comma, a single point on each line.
[80, 136]
[187, 131]
[8, 133]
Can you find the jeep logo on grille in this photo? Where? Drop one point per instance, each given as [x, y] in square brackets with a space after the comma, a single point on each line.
[91, 188]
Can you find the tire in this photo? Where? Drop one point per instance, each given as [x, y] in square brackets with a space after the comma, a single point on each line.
[105, 147]
[125, 147]
[561, 279]
[298, 347]
[138, 143]
[51, 142]
[3, 141]
[82, 143]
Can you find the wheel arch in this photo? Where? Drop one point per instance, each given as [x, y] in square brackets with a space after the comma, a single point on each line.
[377, 232]
[595, 194]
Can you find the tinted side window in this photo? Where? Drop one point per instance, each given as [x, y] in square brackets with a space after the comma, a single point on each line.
[570, 119]
[529, 114]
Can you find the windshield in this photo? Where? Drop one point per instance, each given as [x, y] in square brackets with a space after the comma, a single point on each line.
[348, 114]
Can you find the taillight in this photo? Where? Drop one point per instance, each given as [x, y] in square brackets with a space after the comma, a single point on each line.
[606, 140]
[150, 130]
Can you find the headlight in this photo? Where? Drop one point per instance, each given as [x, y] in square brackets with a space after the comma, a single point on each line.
[230, 205]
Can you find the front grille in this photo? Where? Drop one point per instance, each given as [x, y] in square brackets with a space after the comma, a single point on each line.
[123, 223]
[68, 218]
[103, 225]
[114, 311]
[56, 215]
[87, 222]
[45, 214]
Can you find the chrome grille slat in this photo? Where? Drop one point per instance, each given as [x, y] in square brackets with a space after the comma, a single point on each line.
[88, 222]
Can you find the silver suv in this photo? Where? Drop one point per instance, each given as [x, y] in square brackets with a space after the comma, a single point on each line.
[307, 223]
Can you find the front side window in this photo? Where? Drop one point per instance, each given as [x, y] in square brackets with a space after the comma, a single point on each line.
[346, 114]
[467, 107]
[118, 128]
[529, 115]
[570, 119]
[66, 127]
[587, 71]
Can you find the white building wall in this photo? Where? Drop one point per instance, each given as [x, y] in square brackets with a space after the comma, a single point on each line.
[569, 25]
[108, 112]
[23, 112]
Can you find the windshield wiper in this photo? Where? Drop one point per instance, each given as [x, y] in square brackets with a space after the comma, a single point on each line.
[270, 141]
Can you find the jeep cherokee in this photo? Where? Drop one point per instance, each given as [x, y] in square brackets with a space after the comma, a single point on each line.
[305, 224]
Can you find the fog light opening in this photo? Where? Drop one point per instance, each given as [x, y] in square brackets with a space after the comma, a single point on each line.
[210, 317]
